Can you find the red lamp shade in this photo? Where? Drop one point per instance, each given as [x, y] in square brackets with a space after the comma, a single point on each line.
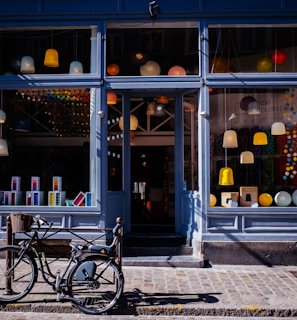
[278, 57]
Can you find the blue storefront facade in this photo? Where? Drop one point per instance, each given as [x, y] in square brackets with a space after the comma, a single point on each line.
[178, 117]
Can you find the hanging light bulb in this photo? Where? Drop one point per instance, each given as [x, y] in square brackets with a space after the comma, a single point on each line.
[278, 129]
[246, 157]
[260, 138]
[230, 139]
[27, 65]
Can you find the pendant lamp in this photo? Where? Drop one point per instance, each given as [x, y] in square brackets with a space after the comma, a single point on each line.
[133, 125]
[226, 177]
[278, 129]
[253, 108]
[27, 65]
[246, 157]
[260, 138]
[159, 110]
[111, 98]
[3, 148]
[230, 139]
[2, 116]
[51, 58]
[150, 108]
[76, 67]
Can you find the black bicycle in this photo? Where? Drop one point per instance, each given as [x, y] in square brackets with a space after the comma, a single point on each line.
[91, 278]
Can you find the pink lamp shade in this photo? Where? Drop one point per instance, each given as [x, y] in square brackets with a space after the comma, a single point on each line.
[177, 71]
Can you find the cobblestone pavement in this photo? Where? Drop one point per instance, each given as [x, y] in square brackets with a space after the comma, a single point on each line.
[66, 316]
[247, 291]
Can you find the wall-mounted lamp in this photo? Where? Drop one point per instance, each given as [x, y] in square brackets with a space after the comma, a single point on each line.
[154, 9]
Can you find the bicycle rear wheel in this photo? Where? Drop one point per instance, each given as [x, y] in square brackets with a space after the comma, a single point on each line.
[17, 274]
[95, 284]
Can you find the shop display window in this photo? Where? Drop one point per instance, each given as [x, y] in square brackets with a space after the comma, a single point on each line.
[253, 139]
[252, 48]
[45, 51]
[47, 147]
[152, 49]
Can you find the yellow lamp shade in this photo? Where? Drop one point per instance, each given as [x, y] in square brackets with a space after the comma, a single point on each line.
[265, 199]
[226, 177]
[111, 98]
[51, 58]
[278, 129]
[264, 64]
[246, 157]
[230, 139]
[260, 139]
[212, 200]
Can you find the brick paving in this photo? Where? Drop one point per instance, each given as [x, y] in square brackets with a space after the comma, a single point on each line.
[222, 290]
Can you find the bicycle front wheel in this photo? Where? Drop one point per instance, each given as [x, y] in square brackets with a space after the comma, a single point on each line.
[95, 284]
[18, 273]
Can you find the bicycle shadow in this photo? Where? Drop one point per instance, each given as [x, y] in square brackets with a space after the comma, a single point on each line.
[130, 301]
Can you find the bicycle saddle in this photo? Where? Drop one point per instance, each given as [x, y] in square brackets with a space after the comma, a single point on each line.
[102, 249]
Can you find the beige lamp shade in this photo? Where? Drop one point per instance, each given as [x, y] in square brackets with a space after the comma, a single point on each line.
[27, 65]
[150, 108]
[230, 139]
[76, 67]
[253, 108]
[226, 177]
[133, 123]
[260, 138]
[51, 58]
[151, 68]
[2, 116]
[278, 129]
[111, 98]
[3, 148]
[246, 157]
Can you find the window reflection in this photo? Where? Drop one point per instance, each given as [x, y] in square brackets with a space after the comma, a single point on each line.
[252, 48]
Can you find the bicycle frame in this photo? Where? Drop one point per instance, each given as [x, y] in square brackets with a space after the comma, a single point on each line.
[38, 253]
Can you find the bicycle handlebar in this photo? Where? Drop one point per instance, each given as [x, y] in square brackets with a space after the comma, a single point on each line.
[40, 221]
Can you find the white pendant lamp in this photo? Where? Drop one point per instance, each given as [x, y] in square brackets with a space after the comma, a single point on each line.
[2, 116]
[3, 148]
[76, 67]
[27, 65]
[230, 139]
[247, 157]
[278, 129]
